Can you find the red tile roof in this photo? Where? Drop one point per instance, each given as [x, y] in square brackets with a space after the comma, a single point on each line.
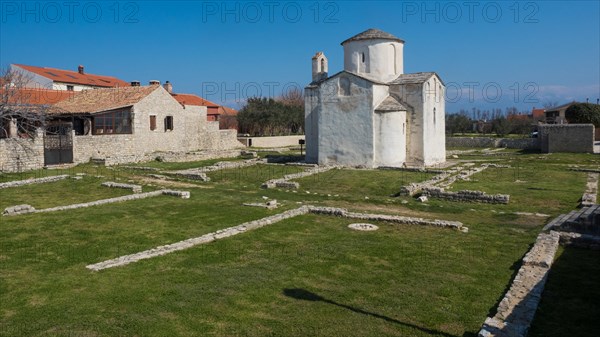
[36, 96]
[67, 76]
[190, 99]
[538, 113]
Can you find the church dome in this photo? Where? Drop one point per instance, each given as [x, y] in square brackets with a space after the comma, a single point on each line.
[373, 34]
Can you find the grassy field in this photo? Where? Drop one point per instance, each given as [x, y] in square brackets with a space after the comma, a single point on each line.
[306, 276]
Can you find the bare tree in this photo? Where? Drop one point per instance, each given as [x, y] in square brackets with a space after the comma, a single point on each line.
[293, 97]
[21, 108]
[550, 104]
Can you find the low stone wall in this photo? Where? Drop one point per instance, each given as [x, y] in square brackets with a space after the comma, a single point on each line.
[483, 142]
[185, 244]
[18, 183]
[466, 196]
[20, 154]
[27, 209]
[517, 309]
[280, 141]
[567, 138]
[342, 212]
[286, 183]
[133, 188]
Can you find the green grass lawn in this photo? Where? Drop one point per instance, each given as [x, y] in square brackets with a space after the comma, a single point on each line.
[306, 276]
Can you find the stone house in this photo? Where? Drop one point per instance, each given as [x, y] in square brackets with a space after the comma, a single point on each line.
[116, 125]
[371, 114]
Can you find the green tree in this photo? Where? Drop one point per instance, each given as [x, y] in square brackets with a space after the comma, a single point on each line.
[456, 123]
[271, 117]
[583, 113]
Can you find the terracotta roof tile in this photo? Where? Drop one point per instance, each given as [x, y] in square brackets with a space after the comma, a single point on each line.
[98, 100]
[190, 99]
[67, 76]
[36, 96]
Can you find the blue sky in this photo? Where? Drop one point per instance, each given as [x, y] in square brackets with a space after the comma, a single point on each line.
[490, 54]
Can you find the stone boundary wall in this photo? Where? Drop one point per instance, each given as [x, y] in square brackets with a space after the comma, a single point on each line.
[517, 309]
[27, 209]
[483, 142]
[231, 231]
[17, 183]
[286, 183]
[466, 196]
[132, 187]
[280, 141]
[567, 138]
[20, 154]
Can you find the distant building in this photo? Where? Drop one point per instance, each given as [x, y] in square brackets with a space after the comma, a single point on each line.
[371, 114]
[58, 79]
[556, 115]
[538, 114]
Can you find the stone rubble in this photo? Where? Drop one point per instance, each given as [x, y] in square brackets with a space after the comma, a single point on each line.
[231, 231]
[25, 210]
[132, 187]
[18, 183]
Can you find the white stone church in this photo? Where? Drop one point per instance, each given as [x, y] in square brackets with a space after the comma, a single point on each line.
[371, 114]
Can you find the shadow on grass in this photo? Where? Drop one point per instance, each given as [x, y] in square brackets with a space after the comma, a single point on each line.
[569, 304]
[302, 294]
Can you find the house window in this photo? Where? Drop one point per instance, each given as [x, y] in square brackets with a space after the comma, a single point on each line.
[169, 123]
[116, 122]
[70, 88]
[152, 123]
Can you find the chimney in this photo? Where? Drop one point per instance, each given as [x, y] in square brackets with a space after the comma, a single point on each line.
[80, 69]
[154, 82]
[135, 83]
[168, 87]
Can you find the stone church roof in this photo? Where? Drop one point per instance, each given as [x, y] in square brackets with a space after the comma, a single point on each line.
[372, 33]
[98, 100]
[391, 103]
[414, 78]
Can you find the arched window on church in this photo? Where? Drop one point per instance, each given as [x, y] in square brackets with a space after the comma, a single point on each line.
[435, 89]
[362, 55]
[433, 116]
[322, 66]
